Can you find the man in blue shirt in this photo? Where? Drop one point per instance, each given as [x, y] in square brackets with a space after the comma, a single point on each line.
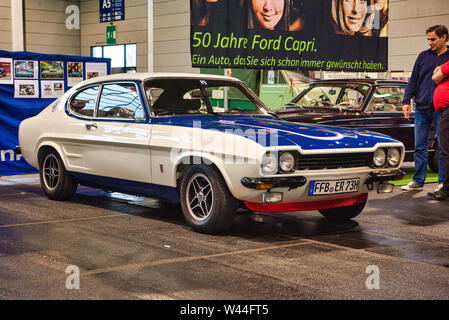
[421, 88]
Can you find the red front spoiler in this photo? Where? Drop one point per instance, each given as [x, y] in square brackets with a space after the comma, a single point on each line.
[306, 206]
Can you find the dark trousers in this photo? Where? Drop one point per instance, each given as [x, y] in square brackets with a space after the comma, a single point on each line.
[443, 132]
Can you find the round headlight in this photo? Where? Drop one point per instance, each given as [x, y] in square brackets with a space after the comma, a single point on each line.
[269, 163]
[286, 161]
[394, 156]
[379, 157]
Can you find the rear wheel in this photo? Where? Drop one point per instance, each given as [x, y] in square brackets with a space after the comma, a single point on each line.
[55, 181]
[207, 204]
[343, 213]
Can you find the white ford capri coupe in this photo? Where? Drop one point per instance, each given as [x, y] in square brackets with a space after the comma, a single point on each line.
[207, 142]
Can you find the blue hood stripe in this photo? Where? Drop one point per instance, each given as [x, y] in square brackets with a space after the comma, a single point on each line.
[266, 130]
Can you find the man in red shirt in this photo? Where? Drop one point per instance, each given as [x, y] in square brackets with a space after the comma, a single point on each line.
[441, 103]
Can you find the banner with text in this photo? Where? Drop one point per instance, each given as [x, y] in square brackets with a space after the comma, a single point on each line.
[347, 35]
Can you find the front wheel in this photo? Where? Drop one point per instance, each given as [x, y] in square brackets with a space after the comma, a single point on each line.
[207, 204]
[55, 181]
[343, 213]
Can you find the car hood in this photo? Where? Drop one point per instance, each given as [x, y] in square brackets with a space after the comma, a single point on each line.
[269, 131]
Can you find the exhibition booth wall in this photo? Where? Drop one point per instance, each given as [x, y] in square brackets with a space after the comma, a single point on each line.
[29, 82]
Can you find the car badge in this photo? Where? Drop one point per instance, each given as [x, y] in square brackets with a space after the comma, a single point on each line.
[204, 83]
[226, 122]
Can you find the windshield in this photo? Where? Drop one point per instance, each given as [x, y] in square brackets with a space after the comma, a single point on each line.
[340, 95]
[195, 96]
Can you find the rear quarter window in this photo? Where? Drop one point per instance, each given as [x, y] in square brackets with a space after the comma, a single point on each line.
[83, 103]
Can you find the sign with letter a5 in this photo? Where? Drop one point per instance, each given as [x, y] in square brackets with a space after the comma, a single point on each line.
[112, 10]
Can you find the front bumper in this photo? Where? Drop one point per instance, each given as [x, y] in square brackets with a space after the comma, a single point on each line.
[307, 205]
[385, 176]
[299, 199]
[270, 183]
[299, 181]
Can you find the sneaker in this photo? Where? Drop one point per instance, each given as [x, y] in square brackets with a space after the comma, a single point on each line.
[438, 188]
[437, 195]
[412, 186]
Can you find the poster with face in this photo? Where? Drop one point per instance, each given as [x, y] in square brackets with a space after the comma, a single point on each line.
[74, 73]
[25, 69]
[26, 89]
[6, 71]
[328, 35]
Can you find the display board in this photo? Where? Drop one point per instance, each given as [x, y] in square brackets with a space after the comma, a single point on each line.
[29, 82]
[328, 35]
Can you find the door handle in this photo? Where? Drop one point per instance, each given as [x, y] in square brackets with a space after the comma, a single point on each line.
[89, 126]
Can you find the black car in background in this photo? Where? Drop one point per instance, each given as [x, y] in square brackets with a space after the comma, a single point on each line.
[369, 104]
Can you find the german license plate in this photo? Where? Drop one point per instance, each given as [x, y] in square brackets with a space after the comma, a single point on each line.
[323, 187]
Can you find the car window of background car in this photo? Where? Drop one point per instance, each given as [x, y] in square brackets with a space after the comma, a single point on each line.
[320, 96]
[273, 77]
[84, 102]
[386, 99]
[120, 100]
[351, 99]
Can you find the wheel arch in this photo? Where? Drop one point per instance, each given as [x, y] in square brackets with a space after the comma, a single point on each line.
[184, 162]
[46, 146]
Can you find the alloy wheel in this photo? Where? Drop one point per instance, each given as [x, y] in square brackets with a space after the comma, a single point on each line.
[200, 196]
[51, 171]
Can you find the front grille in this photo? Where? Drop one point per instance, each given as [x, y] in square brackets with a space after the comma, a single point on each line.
[334, 161]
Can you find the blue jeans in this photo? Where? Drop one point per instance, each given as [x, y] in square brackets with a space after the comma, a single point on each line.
[423, 123]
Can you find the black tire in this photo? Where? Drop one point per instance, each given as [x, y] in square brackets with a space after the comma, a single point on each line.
[344, 213]
[433, 158]
[55, 181]
[207, 204]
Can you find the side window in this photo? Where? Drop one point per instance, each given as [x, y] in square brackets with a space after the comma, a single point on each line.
[386, 99]
[120, 100]
[83, 103]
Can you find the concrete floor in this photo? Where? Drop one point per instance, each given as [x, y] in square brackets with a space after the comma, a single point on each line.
[135, 248]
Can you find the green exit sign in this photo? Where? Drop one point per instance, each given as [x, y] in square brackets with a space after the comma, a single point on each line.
[110, 35]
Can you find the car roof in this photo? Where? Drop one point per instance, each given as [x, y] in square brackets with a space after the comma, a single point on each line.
[141, 76]
[365, 80]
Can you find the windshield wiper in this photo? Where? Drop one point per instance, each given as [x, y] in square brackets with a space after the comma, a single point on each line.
[235, 109]
[291, 105]
[274, 115]
[328, 104]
